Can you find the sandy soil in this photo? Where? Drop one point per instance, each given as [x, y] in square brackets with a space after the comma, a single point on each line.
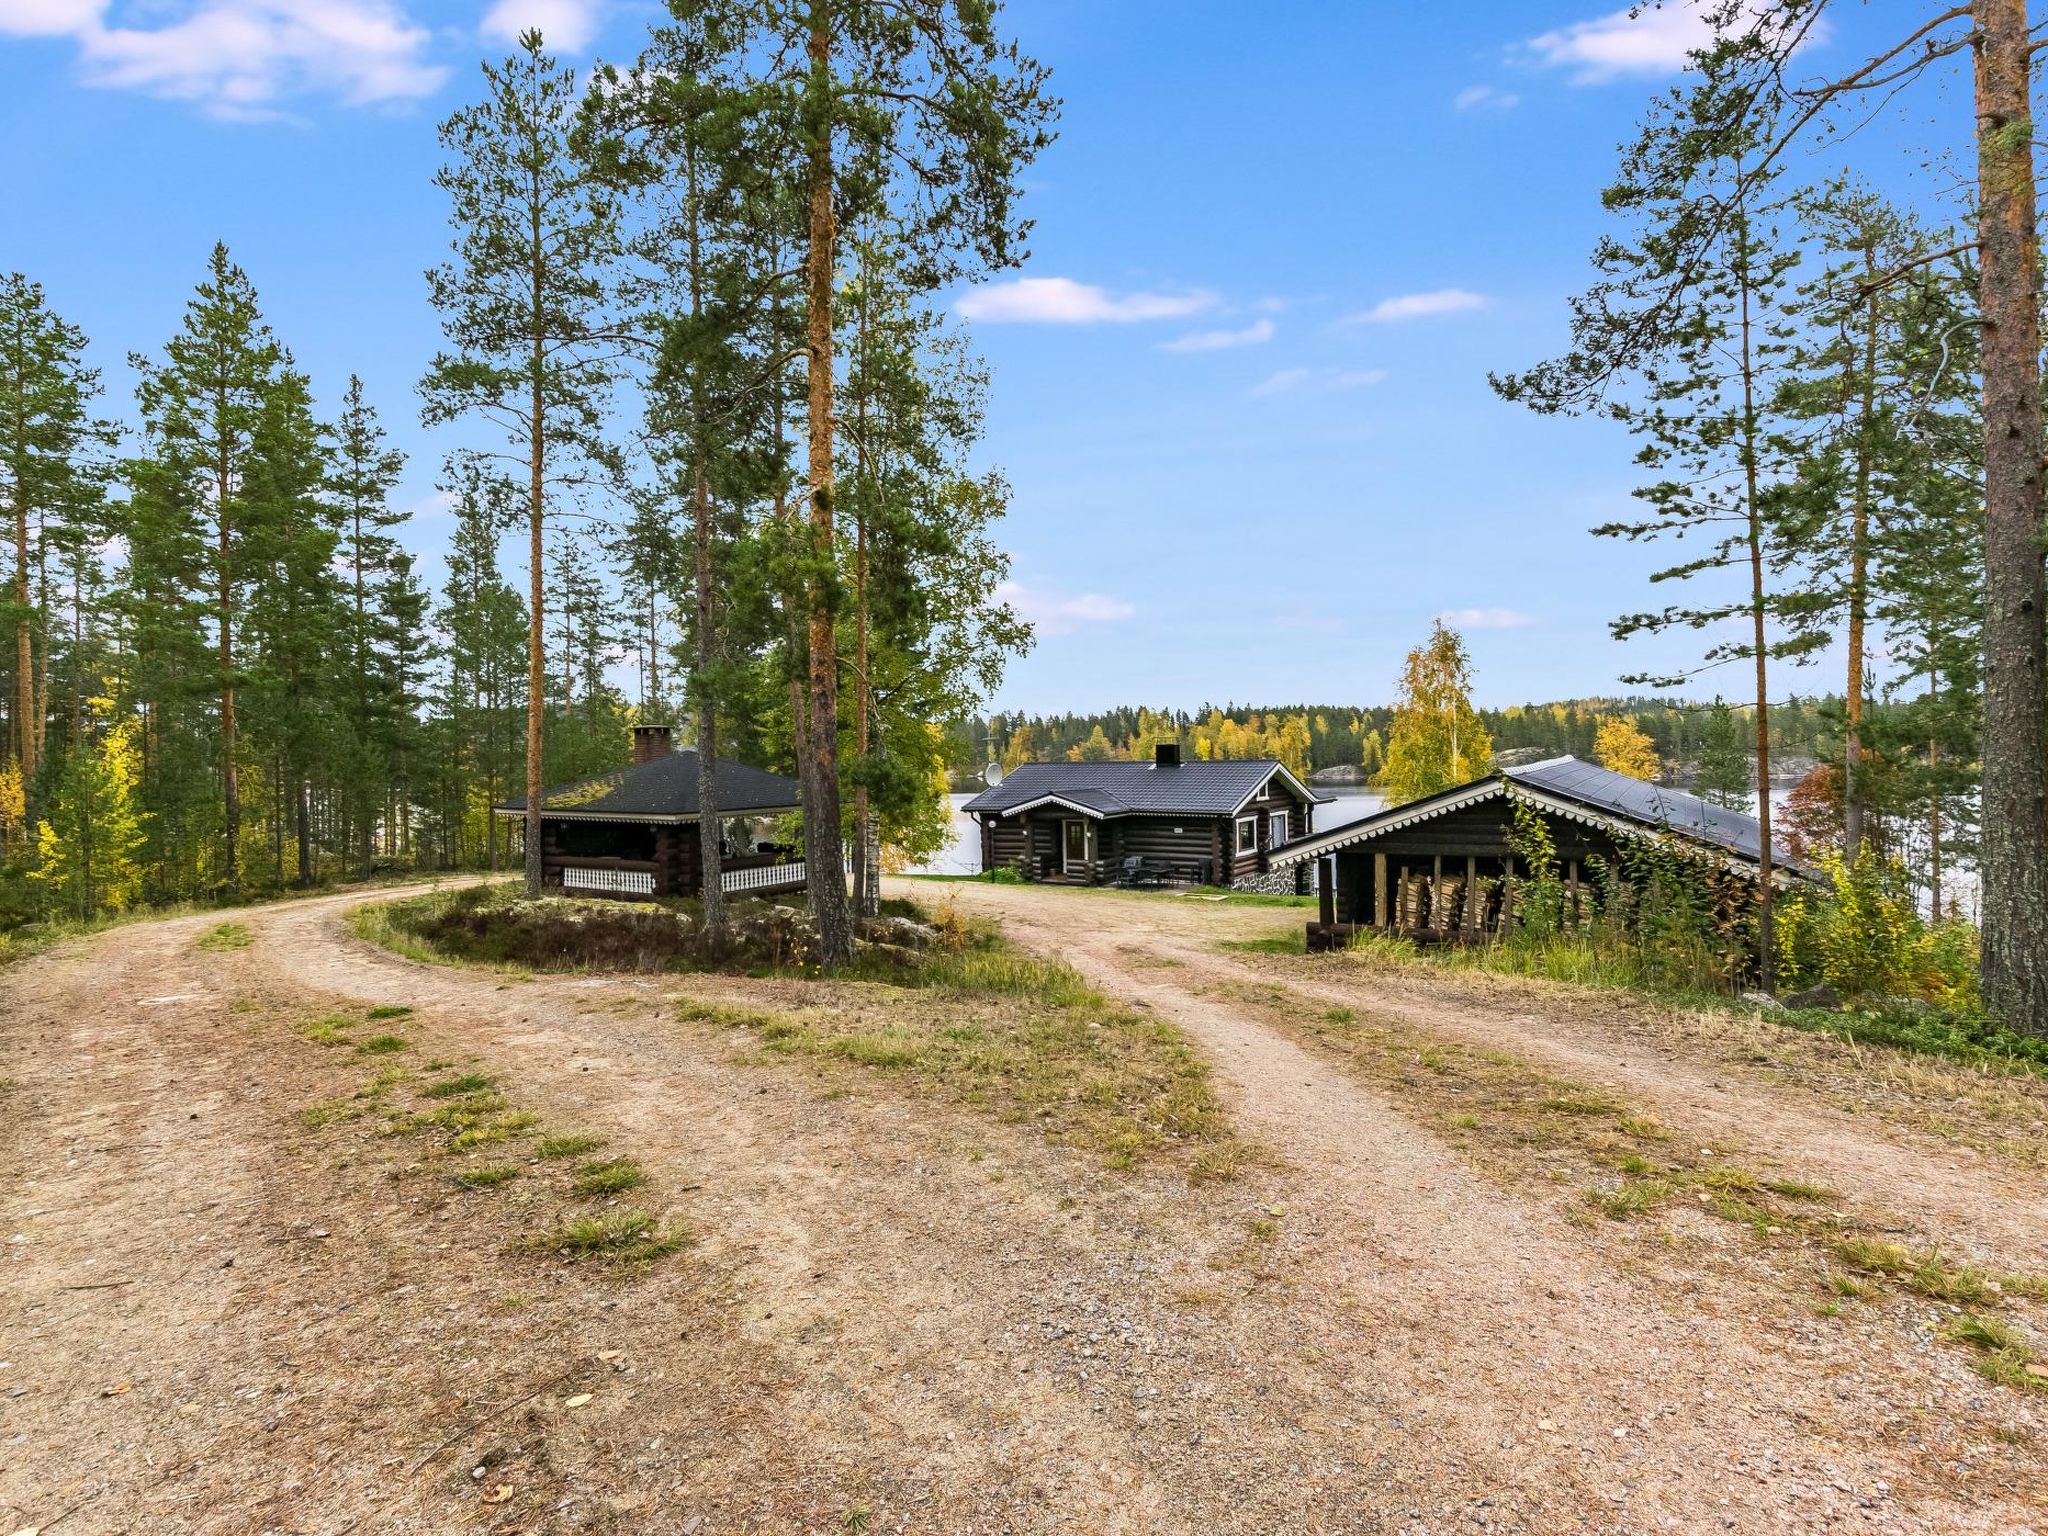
[897, 1314]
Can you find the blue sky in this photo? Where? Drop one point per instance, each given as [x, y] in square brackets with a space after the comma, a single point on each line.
[1240, 394]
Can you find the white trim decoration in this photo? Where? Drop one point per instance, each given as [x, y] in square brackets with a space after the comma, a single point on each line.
[725, 813]
[1239, 847]
[1054, 799]
[627, 882]
[763, 877]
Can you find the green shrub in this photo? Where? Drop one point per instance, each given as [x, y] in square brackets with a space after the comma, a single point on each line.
[1863, 935]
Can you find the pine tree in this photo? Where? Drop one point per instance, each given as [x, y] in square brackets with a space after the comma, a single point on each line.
[289, 537]
[483, 698]
[931, 633]
[207, 396]
[916, 111]
[1722, 773]
[1690, 307]
[365, 472]
[522, 304]
[51, 482]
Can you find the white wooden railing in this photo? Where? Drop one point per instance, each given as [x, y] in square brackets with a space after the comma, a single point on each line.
[637, 882]
[763, 877]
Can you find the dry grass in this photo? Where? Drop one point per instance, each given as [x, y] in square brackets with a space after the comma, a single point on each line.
[463, 1112]
[1997, 1109]
[1025, 1039]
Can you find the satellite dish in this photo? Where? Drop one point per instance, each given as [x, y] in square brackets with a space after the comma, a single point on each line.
[992, 775]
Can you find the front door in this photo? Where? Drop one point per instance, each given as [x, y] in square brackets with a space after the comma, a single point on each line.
[1080, 840]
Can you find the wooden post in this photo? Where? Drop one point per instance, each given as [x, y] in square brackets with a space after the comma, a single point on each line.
[1379, 890]
[1472, 917]
[1571, 886]
[1507, 896]
[1326, 891]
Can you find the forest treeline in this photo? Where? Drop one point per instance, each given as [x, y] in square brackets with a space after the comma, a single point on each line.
[709, 423]
[1312, 737]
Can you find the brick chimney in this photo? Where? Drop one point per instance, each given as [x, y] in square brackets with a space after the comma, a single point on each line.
[650, 742]
[1166, 754]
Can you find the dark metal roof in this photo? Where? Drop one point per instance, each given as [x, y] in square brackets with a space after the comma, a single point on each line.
[1575, 787]
[1120, 788]
[665, 788]
[1650, 804]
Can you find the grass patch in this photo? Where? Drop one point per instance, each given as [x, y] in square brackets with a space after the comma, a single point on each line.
[383, 1045]
[488, 1176]
[451, 1087]
[612, 1176]
[624, 1237]
[316, 1117]
[329, 1029]
[2001, 1353]
[1924, 1272]
[225, 936]
[568, 1146]
[1926, 1032]
[1293, 942]
[497, 1128]
[1630, 1198]
[1024, 1038]
[388, 1011]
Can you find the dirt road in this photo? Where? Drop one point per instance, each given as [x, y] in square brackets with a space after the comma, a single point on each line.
[221, 1314]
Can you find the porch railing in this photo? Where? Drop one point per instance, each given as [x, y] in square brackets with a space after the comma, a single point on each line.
[629, 882]
[763, 877]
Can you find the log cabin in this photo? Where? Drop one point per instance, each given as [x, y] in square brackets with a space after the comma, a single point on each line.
[633, 833]
[1444, 868]
[1198, 823]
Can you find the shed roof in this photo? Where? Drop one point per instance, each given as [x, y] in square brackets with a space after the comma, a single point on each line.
[1572, 788]
[1122, 788]
[662, 789]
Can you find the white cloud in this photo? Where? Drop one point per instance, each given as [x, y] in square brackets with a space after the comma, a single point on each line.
[1416, 306]
[1321, 380]
[1283, 381]
[1475, 97]
[1059, 613]
[566, 26]
[47, 18]
[243, 58]
[1486, 618]
[1062, 301]
[1216, 341]
[1656, 39]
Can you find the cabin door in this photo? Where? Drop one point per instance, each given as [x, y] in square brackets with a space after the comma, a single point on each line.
[1079, 847]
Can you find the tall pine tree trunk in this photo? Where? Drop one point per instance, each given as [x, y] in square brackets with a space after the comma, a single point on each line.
[2015, 814]
[27, 715]
[536, 660]
[711, 853]
[1854, 798]
[1933, 809]
[231, 783]
[867, 897]
[823, 842]
[1760, 634]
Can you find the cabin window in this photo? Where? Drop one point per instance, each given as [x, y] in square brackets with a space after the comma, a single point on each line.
[1247, 834]
[1276, 835]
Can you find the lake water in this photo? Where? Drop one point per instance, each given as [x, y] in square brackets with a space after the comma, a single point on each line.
[962, 853]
